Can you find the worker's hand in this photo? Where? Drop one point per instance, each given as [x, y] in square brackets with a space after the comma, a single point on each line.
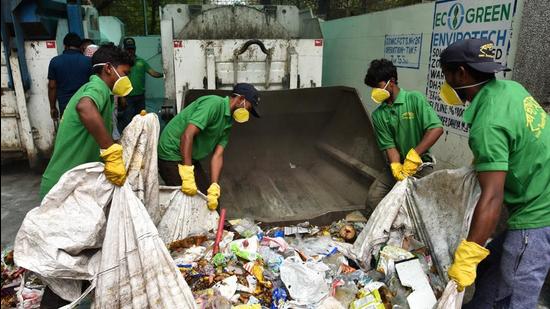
[467, 256]
[397, 171]
[143, 112]
[214, 193]
[54, 113]
[187, 174]
[114, 165]
[412, 162]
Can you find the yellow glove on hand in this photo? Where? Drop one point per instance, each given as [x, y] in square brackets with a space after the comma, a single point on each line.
[397, 171]
[412, 162]
[114, 165]
[214, 193]
[188, 185]
[467, 256]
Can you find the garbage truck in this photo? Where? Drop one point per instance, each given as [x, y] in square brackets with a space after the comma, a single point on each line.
[313, 151]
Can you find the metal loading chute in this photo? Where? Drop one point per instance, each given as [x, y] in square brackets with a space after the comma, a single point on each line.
[313, 152]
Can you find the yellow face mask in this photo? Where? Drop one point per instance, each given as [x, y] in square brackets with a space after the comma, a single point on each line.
[380, 95]
[123, 85]
[449, 95]
[241, 115]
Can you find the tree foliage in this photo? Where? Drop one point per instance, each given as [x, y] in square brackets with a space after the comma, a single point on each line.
[132, 15]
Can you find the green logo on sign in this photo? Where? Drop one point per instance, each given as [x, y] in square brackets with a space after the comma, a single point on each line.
[455, 16]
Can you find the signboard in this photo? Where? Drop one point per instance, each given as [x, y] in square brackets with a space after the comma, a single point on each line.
[403, 49]
[456, 20]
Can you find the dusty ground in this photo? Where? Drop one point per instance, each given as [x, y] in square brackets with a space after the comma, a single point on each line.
[20, 188]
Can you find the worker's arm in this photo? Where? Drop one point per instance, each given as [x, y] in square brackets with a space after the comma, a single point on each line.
[186, 143]
[428, 140]
[487, 212]
[154, 73]
[52, 96]
[471, 252]
[393, 155]
[93, 122]
[216, 164]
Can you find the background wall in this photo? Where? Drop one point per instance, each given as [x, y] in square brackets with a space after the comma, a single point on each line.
[352, 43]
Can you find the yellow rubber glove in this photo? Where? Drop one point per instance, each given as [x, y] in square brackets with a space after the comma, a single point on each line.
[114, 165]
[143, 112]
[397, 171]
[467, 256]
[214, 193]
[187, 174]
[412, 162]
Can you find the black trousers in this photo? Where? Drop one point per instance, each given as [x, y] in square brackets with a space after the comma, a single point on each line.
[169, 172]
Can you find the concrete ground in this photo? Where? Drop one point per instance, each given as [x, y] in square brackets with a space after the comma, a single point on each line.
[20, 187]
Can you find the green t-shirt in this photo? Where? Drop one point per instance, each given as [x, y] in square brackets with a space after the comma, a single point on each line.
[402, 124]
[509, 131]
[211, 114]
[137, 76]
[74, 145]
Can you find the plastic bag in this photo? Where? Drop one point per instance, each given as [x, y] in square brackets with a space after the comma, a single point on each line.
[136, 269]
[185, 216]
[305, 281]
[451, 298]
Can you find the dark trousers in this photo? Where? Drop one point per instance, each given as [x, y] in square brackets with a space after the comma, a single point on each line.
[169, 172]
[134, 105]
[514, 272]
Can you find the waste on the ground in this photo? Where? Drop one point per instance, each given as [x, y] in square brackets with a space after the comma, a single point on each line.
[298, 266]
[301, 266]
[20, 288]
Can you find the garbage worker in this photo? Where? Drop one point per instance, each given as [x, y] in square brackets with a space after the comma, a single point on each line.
[200, 129]
[84, 133]
[406, 126]
[134, 103]
[510, 141]
[66, 74]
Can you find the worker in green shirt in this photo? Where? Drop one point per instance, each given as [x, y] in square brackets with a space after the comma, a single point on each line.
[84, 133]
[510, 140]
[406, 126]
[134, 103]
[202, 128]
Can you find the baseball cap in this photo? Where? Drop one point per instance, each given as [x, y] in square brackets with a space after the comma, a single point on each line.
[251, 94]
[129, 43]
[479, 54]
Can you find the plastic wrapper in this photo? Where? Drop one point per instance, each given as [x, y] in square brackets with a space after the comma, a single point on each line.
[305, 281]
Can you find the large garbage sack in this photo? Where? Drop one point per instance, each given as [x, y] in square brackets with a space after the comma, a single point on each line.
[139, 141]
[437, 209]
[184, 215]
[136, 270]
[61, 240]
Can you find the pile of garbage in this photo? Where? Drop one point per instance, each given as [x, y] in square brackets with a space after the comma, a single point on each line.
[303, 266]
[20, 288]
